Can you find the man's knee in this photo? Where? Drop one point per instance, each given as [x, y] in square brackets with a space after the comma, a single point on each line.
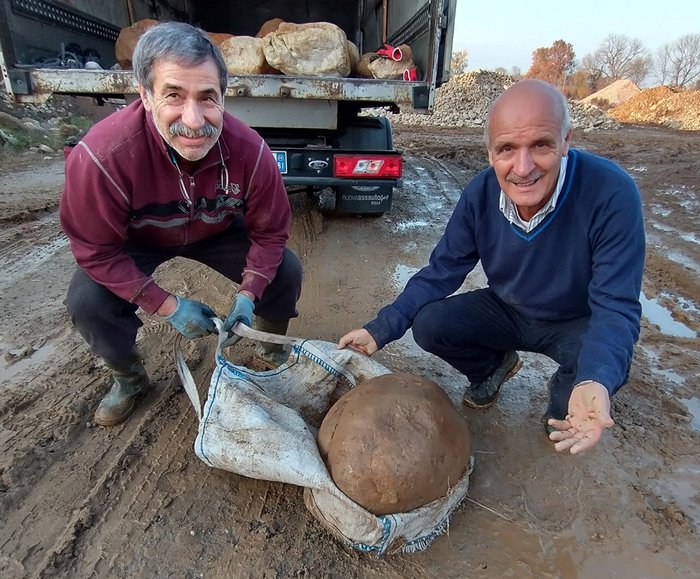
[425, 329]
[279, 299]
[83, 296]
[290, 271]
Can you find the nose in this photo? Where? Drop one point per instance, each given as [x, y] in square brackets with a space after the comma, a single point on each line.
[523, 163]
[192, 115]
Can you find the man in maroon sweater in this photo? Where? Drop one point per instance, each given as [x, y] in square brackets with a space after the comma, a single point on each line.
[171, 175]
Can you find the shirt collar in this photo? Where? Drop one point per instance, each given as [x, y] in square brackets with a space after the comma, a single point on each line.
[510, 211]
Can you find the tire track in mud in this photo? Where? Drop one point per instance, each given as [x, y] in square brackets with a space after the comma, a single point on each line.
[25, 248]
[338, 275]
[438, 183]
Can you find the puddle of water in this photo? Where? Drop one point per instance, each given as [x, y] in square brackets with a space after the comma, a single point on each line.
[686, 197]
[409, 225]
[690, 237]
[682, 486]
[687, 306]
[39, 356]
[662, 227]
[409, 344]
[684, 260]
[402, 274]
[660, 210]
[659, 315]
[671, 375]
[693, 407]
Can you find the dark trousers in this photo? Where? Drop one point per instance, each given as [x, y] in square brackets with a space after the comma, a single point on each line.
[109, 324]
[472, 331]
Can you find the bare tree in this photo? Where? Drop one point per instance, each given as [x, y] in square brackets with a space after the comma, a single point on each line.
[619, 57]
[516, 72]
[459, 61]
[678, 63]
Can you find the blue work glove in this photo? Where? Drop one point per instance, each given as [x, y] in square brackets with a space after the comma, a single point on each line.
[241, 311]
[192, 319]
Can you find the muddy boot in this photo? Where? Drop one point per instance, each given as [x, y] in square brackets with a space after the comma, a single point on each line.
[130, 384]
[268, 355]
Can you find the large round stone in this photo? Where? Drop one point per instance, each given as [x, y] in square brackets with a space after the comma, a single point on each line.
[394, 443]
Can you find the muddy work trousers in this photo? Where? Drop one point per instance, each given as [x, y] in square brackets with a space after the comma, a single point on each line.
[472, 331]
[109, 324]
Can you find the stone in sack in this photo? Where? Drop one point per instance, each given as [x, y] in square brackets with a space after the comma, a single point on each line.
[394, 443]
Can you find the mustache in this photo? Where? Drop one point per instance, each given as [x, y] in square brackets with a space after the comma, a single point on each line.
[180, 129]
[536, 174]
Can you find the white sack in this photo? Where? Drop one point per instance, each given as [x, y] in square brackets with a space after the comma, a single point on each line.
[263, 425]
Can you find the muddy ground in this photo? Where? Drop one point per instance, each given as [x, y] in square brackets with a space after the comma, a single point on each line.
[134, 500]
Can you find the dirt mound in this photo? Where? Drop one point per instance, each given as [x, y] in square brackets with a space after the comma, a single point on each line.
[614, 94]
[661, 105]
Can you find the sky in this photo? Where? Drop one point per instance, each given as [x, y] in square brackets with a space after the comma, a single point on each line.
[506, 32]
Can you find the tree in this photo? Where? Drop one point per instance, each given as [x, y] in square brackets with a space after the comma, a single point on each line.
[553, 64]
[458, 64]
[619, 57]
[678, 63]
[516, 72]
[579, 85]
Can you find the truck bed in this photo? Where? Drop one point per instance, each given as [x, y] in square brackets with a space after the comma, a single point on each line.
[32, 29]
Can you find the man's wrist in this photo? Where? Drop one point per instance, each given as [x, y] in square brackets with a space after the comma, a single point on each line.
[248, 294]
[168, 306]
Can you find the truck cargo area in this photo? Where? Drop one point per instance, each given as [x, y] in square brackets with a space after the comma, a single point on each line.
[313, 124]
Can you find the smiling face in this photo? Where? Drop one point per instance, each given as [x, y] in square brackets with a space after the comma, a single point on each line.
[526, 144]
[187, 106]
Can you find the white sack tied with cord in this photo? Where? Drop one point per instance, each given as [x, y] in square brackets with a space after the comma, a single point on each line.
[263, 425]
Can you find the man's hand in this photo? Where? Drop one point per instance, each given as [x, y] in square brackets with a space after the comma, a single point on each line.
[192, 319]
[589, 416]
[241, 311]
[360, 341]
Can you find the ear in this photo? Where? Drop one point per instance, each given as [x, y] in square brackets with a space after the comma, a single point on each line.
[144, 98]
[490, 156]
[565, 144]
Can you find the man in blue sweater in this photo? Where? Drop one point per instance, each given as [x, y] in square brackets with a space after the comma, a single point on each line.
[560, 236]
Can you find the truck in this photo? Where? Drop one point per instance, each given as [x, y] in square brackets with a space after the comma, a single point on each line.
[327, 133]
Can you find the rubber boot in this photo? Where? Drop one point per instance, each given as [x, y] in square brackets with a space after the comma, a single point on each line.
[270, 355]
[130, 384]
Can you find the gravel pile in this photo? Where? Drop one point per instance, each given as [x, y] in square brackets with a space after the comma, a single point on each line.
[614, 94]
[662, 105]
[465, 100]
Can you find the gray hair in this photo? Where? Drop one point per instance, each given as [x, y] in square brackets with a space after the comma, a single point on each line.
[178, 42]
[561, 101]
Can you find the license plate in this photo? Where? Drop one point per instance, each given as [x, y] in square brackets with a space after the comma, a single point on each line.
[281, 158]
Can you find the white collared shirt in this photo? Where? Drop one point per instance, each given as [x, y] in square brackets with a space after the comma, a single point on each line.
[509, 209]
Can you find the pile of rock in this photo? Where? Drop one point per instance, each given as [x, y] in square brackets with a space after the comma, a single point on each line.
[465, 100]
[41, 127]
[662, 105]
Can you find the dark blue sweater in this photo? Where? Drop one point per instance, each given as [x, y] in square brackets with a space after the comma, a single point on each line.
[585, 259]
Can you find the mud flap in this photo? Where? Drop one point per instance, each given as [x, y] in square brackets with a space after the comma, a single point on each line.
[375, 198]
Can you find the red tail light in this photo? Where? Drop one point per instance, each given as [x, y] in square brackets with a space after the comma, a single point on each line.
[367, 166]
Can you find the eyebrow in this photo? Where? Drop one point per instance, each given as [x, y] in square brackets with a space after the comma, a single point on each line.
[170, 86]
